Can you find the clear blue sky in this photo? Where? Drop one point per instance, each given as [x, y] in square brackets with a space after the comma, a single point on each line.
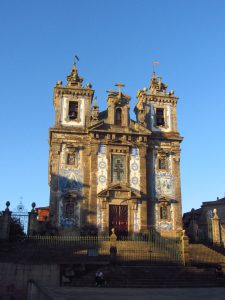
[116, 41]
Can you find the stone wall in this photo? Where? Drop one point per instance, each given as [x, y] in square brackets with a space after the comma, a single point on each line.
[14, 278]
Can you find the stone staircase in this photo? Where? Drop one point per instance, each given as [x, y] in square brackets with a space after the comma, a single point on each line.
[152, 277]
[201, 255]
[200, 272]
[136, 252]
[138, 265]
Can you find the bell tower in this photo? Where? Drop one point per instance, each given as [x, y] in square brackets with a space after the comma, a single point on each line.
[72, 102]
[67, 137]
[118, 108]
[156, 110]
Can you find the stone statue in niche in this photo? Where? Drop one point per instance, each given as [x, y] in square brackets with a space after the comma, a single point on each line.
[69, 208]
[72, 159]
[164, 212]
[71, 213]
[141, 116]
[162, 163]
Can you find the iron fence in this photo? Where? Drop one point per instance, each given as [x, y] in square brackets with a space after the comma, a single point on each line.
[151, 248]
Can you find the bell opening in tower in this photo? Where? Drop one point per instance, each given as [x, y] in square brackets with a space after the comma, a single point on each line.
[118, 117]
[73, 110]
[160, 117]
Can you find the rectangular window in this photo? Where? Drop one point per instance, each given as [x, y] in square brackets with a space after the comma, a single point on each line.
[73, 110]
[118, 170]
[162, 163]
[160, 117]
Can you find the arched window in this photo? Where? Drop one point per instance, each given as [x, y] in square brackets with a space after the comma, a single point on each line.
[118, 117]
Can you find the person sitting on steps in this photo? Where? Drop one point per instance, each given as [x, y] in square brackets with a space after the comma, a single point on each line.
[99, 278]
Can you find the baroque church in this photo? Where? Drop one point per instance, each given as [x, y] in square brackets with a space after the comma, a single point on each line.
[108, 171]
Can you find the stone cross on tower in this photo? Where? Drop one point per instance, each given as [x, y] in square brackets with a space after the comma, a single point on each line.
[155, 63]
[120, 85]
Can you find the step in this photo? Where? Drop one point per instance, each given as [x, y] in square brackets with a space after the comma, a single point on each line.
[154, 276]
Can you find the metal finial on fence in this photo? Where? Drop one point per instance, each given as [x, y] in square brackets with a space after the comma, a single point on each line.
[7, 205]
[33, 205]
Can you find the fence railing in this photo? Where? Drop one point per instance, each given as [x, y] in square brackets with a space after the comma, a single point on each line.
[79, 245]
[150, 247]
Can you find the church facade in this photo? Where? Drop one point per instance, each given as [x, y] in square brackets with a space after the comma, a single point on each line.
[108, 171]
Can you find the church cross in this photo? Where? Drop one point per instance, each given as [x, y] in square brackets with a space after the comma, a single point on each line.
[120, 85]
[155, 63]
[118, 169]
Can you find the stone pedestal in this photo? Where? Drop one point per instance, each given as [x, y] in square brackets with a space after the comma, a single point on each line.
[216, 233]
[32, 222]
[5, 224]
[185, 250]
[113, 246]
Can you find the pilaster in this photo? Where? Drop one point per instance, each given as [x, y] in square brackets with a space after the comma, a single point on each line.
[84, 205]
[54, 193]
[178, 210]
[92, 214]
[143, 186]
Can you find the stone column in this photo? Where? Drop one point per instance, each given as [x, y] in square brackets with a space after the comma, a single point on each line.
[185, 250]
[216, 234]
[32, 221]
[5, 224]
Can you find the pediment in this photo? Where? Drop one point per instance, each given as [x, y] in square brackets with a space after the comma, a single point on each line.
[119, 191]
[72, 193]
[133, 127]
[140, 128]
[164, 199]
[98, 125]
[119, 186]
[116, 141]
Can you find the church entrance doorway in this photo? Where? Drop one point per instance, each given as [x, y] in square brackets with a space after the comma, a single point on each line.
[118, 219]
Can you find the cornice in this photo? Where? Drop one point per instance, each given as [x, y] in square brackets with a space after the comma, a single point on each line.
[68, 130]
[167, 136]
[163, 98]
[111, 131]
[67, 90]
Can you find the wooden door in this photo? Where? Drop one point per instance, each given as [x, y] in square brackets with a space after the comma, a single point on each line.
[118, 219]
